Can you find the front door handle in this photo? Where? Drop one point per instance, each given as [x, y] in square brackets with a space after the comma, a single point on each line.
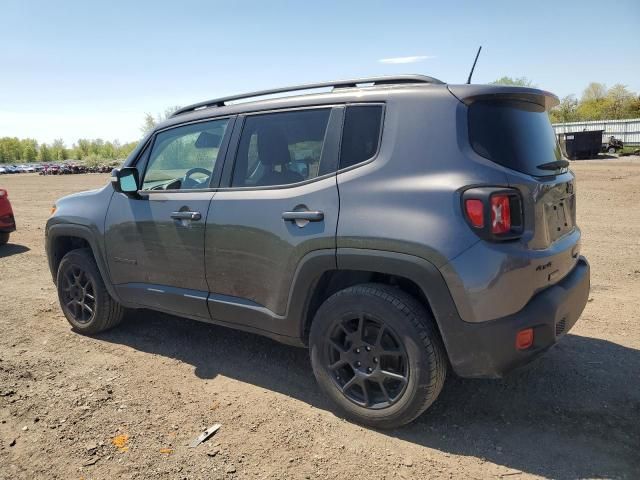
[308, 215]
[186, 215]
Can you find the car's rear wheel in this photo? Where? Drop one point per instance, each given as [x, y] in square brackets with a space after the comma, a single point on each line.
[83, 297]
[611, 150]
[4, 238]
[376, 353]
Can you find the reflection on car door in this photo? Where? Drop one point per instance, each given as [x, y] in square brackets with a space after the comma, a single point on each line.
[155, 240]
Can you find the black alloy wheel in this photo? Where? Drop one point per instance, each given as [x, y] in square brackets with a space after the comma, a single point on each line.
[78, 293]
[368, 362]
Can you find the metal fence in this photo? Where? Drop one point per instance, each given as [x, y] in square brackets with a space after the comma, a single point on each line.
[626, 130]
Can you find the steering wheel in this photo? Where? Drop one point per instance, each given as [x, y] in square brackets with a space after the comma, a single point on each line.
[190, 182]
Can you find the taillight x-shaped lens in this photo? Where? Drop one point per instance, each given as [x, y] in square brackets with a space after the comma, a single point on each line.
[500, 214]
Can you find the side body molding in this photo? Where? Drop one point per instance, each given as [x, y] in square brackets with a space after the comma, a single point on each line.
[288, 328]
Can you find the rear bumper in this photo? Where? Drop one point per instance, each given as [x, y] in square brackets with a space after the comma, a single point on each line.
[487, 349]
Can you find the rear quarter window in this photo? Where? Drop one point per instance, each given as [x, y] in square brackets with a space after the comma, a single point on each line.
[515, 134]
[360, 134]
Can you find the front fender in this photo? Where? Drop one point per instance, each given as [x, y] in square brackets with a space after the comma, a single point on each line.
[57, 230]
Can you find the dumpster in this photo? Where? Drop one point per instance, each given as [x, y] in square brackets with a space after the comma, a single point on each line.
[581, 144]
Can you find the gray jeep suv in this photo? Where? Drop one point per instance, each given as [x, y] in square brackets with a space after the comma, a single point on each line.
[398, 227]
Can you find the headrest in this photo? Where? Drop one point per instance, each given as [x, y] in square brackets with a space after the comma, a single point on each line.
[273, 148]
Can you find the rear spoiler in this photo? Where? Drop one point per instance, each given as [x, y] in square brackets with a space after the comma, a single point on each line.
[468, 94]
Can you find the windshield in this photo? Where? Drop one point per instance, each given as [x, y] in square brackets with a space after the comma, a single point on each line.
[515, 134]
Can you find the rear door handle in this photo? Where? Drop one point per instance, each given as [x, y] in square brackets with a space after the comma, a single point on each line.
[186, 215]
[308, 215]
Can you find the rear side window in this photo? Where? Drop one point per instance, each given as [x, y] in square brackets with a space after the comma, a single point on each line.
[360, 134]
[281, 148]
[515, 134]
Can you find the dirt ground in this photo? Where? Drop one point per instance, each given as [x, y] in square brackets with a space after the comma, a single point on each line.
[160, 380]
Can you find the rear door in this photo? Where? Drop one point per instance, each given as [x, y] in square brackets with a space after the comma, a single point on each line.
[155, 240]
[279, 205]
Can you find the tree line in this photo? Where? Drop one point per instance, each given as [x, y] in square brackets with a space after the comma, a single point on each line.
[90, 151]
[28, 150]
[597, 102]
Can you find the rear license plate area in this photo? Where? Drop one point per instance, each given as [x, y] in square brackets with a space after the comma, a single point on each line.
[559, 217]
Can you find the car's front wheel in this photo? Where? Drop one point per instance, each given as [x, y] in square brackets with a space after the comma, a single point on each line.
[4, 238]
[376, 353]
[83, 296]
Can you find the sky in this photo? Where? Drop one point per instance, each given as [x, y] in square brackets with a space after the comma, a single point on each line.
[79, 69]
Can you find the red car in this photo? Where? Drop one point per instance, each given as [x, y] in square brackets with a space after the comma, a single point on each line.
[7, 222]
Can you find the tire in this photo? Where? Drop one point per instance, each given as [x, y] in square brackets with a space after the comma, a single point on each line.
[412, 349]
[4, 238]
[611, 150]
[83, 297]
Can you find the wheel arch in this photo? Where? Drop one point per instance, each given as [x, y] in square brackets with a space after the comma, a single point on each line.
[62, 238]
[412, 274]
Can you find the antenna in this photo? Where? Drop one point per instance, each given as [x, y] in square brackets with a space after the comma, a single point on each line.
[474, 65]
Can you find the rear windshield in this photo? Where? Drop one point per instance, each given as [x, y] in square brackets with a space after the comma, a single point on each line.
[515, 134]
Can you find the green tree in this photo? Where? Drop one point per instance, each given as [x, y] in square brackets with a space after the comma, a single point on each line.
[516, 82]
[83, 147]
[619, 102]
[11, 149]
[59, 150]
[44, 154]
[29, 153]
[150, 121]
[593, 103]
[594, 91]
[29, 150]
[148, 124]
[566, 111]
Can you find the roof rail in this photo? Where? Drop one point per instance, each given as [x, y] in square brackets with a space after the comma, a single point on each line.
[384, 80]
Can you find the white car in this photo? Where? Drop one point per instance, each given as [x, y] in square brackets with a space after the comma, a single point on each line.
[3, 170]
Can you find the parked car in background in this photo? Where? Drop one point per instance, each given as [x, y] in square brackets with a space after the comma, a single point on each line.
[3, 170]
[50, 169]
[7, 221]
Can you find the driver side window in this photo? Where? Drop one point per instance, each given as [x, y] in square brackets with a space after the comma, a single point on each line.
[184, 158]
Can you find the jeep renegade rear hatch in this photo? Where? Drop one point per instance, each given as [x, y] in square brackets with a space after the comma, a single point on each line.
[516, 134]
[510, 126]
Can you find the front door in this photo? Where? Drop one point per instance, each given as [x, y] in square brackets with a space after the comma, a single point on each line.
[280, 204]
[155, 240]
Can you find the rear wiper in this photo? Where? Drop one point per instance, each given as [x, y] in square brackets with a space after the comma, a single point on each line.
[557, 165]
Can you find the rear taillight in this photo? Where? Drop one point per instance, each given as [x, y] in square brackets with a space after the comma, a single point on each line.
[494, 213]
[475, 212]
[500, 214]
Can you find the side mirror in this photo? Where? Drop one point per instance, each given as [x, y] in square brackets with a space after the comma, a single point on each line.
[125, 180]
